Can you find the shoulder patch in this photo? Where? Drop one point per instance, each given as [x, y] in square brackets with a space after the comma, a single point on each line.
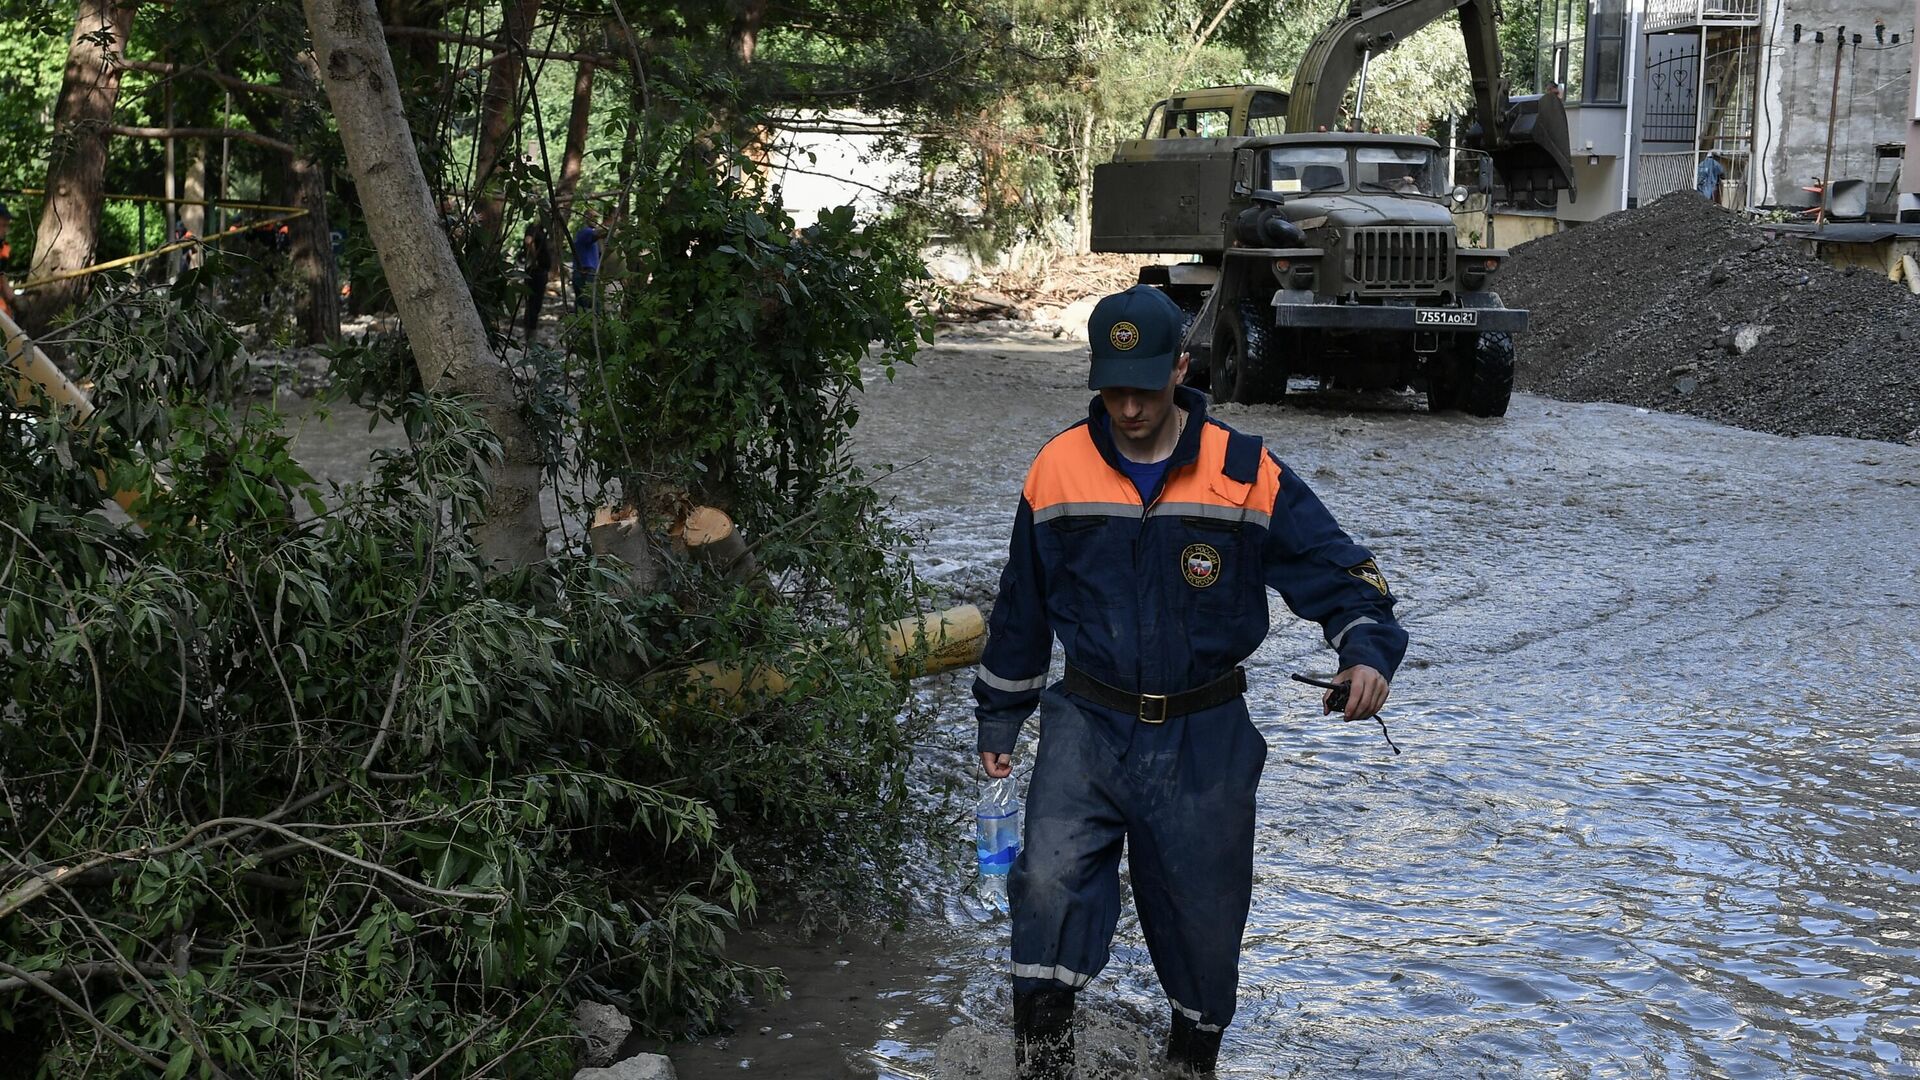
[1369, 572]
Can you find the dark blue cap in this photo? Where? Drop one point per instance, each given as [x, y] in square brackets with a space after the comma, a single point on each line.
[5, 213]
[1136, 339]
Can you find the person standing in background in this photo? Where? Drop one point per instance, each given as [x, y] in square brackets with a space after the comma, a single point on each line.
[1706, 179]
[586, 260]
[539, 263]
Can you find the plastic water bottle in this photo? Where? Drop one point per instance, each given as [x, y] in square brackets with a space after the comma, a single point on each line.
[998, 841]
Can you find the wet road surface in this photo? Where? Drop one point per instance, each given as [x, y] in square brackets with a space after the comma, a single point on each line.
[1658, 810]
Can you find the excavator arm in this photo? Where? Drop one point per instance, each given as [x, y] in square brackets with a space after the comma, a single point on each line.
[1525, 136]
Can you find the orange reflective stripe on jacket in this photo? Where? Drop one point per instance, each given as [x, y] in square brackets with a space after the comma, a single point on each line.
[1069, 478]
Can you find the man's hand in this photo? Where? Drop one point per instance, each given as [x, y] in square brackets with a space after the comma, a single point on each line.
[1366, 692]
[1000, 766]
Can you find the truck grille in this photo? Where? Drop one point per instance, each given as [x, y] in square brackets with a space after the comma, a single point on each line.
[1402, 260]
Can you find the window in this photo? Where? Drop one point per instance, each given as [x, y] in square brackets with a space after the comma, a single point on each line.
[1267, 115]
[1307, 168]
[1607, 45]
[1156, 120]
[1407, 170]
[1197, 123]
[1563, 46]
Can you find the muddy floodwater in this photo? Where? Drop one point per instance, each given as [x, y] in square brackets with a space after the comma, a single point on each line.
[1658, 809]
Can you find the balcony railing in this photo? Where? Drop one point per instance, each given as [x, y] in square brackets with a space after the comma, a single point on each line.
[1674, 14]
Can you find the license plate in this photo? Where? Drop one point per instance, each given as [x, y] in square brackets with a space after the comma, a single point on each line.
[1444, 317]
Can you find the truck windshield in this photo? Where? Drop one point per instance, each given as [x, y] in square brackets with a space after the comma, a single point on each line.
[1409, 170]
[1307, 168]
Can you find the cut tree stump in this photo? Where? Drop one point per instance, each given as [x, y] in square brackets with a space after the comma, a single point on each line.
[619, 533]
[708, 534]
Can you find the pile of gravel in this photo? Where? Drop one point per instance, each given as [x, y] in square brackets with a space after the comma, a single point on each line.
[1686, 307]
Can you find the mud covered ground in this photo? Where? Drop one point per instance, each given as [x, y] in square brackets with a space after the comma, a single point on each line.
[1684, 306]
[1660, 798]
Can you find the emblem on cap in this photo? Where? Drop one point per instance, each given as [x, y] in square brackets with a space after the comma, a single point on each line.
[1200, 565]
[1124, 335]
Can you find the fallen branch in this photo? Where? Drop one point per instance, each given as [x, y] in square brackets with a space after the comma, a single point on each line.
[28, 978]
[489, 45]
[157, 67]
[242, 134]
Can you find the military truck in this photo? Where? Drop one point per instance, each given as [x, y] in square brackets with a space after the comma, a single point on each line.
[1324, 253]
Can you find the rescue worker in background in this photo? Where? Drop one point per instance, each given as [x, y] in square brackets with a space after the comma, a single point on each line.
[1145, 540]
[9, 300]
[587, 251]
[1706, 178]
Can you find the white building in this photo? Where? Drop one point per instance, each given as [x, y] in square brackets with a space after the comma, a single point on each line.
[1768, 85]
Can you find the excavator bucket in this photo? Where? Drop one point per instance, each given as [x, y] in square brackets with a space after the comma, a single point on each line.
[1531, 153]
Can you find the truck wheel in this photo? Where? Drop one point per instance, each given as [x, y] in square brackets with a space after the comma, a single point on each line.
[1488, 383]
[1247, 368]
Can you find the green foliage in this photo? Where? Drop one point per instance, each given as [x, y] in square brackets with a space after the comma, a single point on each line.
[740, 355]
[340, 803]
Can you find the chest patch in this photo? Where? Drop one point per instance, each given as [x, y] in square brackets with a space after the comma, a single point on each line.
[1200, 565]
[1369, 572]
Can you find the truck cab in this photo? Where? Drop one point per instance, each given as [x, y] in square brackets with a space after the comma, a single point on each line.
[1216, 112]
[1324, 255]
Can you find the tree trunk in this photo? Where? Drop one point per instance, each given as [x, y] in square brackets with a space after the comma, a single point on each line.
[168, 235]
[745, 34]
[77, 162]
[300, 179]
[311, 250]
[500, 110]
[573, 162]
[1083, 185]
[443, 327]
[193, 211]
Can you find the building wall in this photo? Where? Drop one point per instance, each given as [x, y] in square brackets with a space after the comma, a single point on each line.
[1599, 182]
[1796, 94]
[818, 171]
[1910, 176]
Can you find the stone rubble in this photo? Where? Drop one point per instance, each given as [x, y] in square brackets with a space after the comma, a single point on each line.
[1683, 306]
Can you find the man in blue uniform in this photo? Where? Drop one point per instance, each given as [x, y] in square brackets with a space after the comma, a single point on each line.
[1145, 540]
[586, 261]
[1707, 177]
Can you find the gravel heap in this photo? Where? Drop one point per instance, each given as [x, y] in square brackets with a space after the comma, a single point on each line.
[1686, 307]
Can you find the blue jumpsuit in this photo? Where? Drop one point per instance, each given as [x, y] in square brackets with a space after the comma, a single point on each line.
[1155, 597]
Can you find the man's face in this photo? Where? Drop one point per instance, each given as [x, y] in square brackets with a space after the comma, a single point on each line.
[6, 224]
[1138, 414]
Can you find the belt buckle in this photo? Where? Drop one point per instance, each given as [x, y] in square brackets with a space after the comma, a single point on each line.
[1140, 714]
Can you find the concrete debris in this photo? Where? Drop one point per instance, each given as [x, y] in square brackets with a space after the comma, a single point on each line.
[603, 1028]
[638, 1067]
[1039, 288]
[1622, 305]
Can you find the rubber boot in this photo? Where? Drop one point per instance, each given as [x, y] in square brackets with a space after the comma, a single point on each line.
[1190, 1051]
[1043, 1035]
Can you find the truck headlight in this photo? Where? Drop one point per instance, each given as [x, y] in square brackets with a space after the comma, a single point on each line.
[1294, 273]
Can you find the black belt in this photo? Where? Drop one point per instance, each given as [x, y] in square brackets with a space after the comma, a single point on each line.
[1157, 708]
